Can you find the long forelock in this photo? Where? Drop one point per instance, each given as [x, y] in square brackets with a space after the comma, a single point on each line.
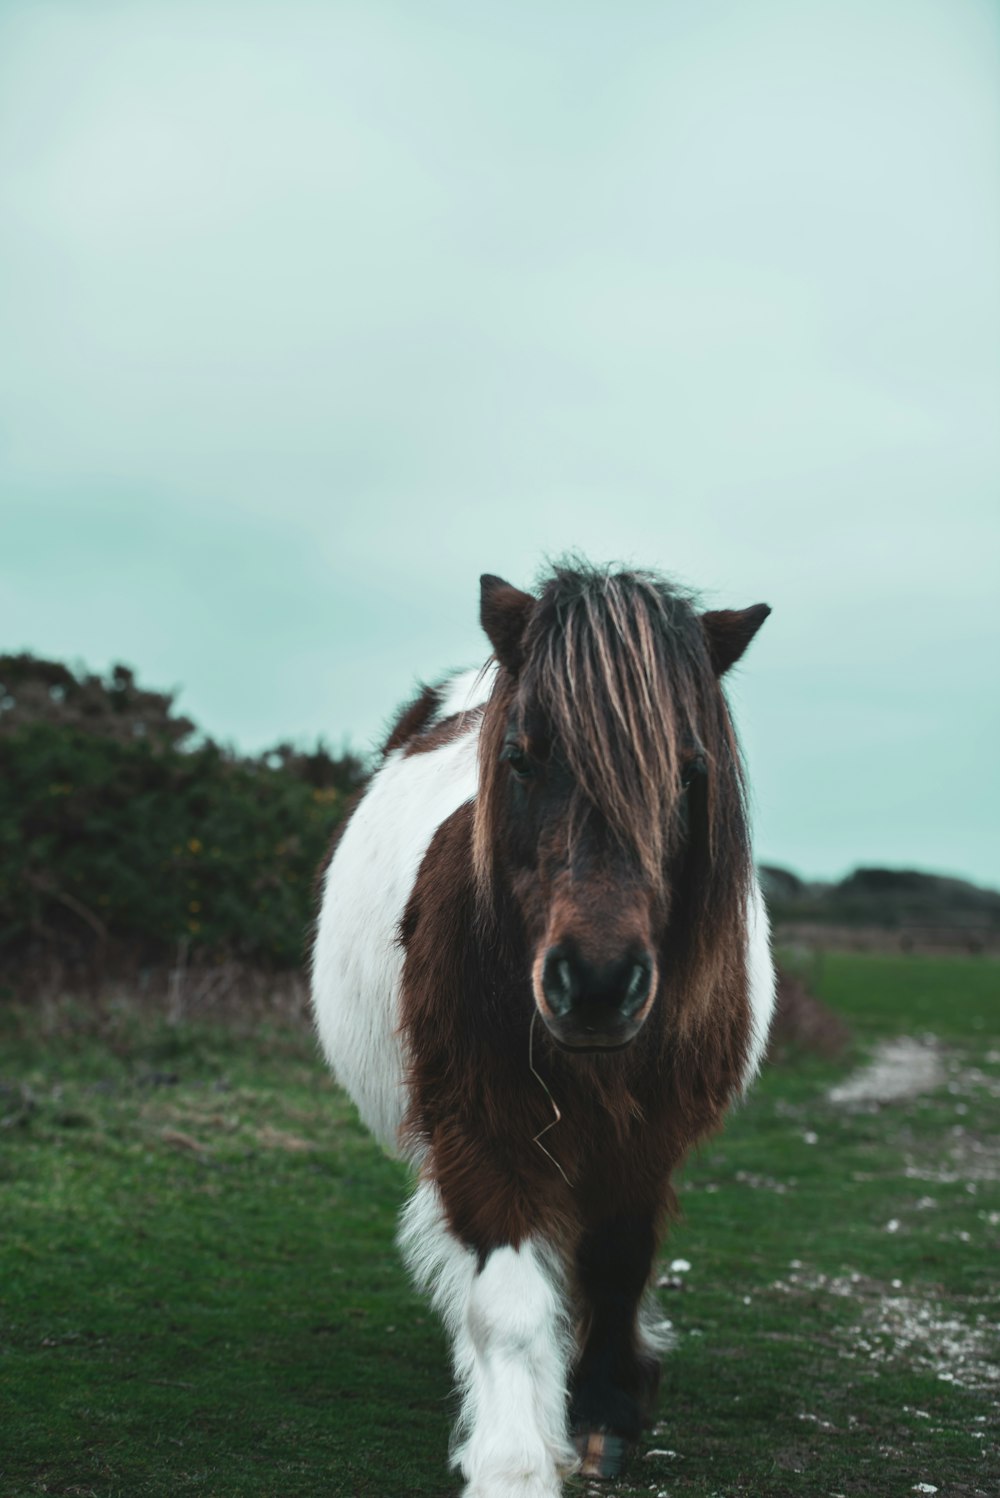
[617, 665]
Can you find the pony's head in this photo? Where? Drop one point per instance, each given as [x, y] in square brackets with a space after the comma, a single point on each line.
[611, 801]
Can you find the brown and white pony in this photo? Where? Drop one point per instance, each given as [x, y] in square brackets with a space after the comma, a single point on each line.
[542, 971]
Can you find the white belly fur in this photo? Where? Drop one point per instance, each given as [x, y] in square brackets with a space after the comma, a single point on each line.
[357, 961]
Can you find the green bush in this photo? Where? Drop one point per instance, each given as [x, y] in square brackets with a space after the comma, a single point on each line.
[116, 841]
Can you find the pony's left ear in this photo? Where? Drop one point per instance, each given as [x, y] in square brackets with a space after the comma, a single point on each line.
[504, 612]
[729, 632]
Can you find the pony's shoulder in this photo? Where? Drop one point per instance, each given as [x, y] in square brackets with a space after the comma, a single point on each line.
[440, 712]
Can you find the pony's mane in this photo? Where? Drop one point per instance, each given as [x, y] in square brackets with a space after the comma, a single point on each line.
[617, 664]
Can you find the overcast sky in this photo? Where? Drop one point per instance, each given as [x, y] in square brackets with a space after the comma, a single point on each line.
[310, 313]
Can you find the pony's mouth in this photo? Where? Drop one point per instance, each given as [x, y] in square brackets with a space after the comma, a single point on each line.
[590, 1006]
[579, 1038]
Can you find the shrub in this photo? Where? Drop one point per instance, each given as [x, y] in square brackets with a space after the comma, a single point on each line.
[117, 841]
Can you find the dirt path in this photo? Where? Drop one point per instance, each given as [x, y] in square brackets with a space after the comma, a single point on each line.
[900, 1068]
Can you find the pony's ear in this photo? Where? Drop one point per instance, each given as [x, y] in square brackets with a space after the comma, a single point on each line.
[729, 632]
[504, 612]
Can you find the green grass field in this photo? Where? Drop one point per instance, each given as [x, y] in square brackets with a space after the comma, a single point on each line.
[199, 1291]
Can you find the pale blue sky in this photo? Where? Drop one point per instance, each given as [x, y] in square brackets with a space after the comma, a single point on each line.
[310, 313]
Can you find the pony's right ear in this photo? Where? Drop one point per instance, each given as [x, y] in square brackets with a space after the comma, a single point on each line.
[729, 632]
[504, 612]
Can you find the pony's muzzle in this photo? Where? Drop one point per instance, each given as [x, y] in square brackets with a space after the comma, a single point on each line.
[593, 1005]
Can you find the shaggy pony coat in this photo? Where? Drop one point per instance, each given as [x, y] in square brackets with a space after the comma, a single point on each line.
[559, 838]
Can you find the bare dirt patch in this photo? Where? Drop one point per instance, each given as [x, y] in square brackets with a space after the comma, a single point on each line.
[893, 1326]
[966, 1159]
[925, 1334]
[900, 1068]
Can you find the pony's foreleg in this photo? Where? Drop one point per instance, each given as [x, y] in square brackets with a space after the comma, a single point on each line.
[617, 1376]
[507, 1317]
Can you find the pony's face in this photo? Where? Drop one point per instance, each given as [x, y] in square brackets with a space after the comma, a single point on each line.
[590, 911]
[596, 753]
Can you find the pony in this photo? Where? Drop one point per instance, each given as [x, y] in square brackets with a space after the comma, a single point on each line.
[542, 971]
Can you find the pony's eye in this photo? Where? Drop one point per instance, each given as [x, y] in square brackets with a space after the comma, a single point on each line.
[518, 760]
[695, 769]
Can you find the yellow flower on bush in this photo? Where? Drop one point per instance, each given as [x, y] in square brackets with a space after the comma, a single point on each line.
[194, 845]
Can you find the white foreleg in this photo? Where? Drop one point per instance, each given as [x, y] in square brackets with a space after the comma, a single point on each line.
[511, 1345]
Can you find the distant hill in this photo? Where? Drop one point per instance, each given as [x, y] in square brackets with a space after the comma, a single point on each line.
[892, 899]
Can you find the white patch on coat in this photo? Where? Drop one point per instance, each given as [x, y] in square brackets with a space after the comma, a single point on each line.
[760, 981]
[512, 1347]
[357, 959]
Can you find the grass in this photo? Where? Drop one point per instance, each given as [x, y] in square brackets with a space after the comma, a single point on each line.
[199, 1291]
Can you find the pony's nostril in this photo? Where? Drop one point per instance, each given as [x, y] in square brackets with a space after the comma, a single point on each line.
[558, 983]
[637, 991]
[595, 993]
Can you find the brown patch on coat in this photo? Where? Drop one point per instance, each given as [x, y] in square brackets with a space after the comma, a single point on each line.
[445, 732]
[412, 719]
[627, 1119]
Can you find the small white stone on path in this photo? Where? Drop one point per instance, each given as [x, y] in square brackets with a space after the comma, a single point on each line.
[679, 1266]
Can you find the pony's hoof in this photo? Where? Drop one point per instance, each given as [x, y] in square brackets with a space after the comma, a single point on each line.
[601, 1454]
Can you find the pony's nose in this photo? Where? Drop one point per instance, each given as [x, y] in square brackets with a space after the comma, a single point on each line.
[573, 985]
